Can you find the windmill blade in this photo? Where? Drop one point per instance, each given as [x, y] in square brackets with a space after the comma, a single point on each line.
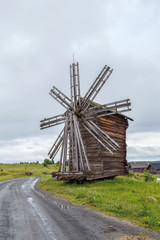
[65, 144]
[63, 148]
[104, 138]
[60, 136]
[76, 149]
[112, 112]
[96, 87]
[61, 98]
[91, 132]
[111, 142]
[61, 156]
[71, 141]
[75, 85]
[56, 151]
[115, 107]
[53, 121]
[107, 113]
[56, 146]
[81, 141]
[112, 146]
[78, 146]
[124, 104]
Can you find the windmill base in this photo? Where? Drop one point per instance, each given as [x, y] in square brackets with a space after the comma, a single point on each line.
[87, 175]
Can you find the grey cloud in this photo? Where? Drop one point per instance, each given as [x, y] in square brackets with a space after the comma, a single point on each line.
[148, 151]
[26, 149]
[38, 39]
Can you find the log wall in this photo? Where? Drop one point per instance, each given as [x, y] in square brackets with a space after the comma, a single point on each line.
[102, 162]
[115, 126]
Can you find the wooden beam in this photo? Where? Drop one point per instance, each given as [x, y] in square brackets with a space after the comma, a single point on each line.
[96, 87]
[61, 98]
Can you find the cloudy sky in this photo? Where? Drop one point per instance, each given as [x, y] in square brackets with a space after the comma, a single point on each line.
[37, 42]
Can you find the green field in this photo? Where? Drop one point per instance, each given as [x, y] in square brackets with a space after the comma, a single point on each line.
[17, 170]
[126, 197]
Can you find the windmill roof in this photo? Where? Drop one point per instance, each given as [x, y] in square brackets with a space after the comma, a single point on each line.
[155, 165]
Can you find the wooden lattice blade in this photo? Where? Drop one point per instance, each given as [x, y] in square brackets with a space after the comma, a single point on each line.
[101, 136]
[71, 142]
[80, 144]
[53, 121]
[112, 112]
[118, 104]
[75, 85]
[61, 98]
[79, 157]
[110, 141]
[65, 144]
[96, 137]
[96, 87]
[53, 155]
[56, 146]
[110, 108]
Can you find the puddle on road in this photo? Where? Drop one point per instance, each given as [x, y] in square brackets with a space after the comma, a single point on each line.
[63, 206]
[111, 230]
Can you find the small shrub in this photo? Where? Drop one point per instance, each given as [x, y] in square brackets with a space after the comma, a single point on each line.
[44, 164]
[148, 177]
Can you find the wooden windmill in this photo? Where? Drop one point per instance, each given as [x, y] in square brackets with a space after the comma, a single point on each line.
[94, 135]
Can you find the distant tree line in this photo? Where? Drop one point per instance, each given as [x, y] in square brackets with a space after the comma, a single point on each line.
[47, 162]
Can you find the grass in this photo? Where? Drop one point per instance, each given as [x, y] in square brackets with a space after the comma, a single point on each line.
[125, 197]
[10, 171]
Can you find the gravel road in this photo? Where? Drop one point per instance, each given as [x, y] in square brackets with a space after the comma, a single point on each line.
[27, 213]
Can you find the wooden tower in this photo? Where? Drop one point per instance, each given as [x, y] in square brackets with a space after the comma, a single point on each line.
[93, 140]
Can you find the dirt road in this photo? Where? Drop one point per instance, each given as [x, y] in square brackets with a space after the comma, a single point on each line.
[30, 214]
